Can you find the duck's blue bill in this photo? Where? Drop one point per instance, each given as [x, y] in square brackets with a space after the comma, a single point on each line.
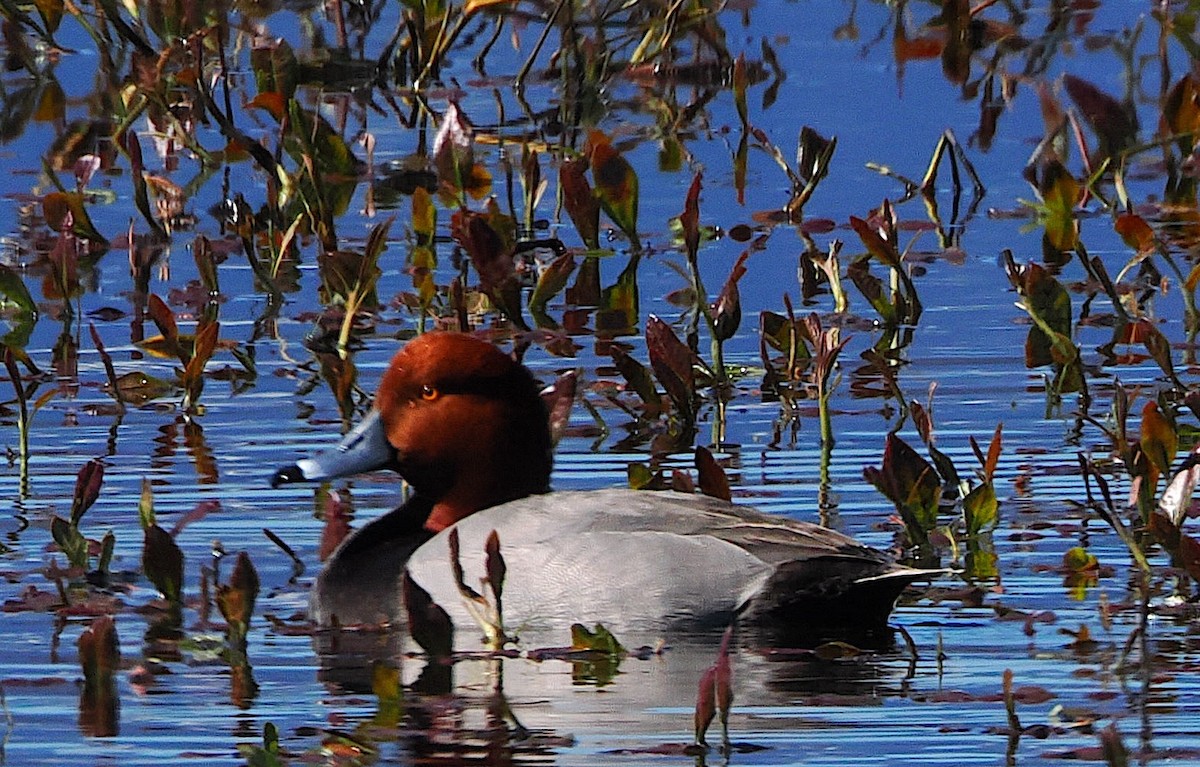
[364, 449]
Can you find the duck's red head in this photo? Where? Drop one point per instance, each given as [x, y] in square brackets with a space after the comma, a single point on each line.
[467, 424]
[458, 419]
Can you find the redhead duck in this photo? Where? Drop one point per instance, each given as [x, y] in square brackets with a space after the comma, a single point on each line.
[465, 426]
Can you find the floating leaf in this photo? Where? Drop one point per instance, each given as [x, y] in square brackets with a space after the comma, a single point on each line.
[1135, 232]
[616, 184]
[1049, 305]
[236, 598]
[598, 639]
[59, 207]
[1078, 559]
[550, 283]
[138, 388]
[881, 247]
[146, 505]
[639, 476]
[491, 253]
[1181, 113]
[164, 320]
[99, 653]
[872, 289]
[14, 294]
[275, 69]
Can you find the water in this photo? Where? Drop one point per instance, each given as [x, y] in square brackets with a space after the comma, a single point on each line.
[938, 703]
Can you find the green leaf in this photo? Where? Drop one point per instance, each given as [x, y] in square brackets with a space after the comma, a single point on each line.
[911, 484]
[598, 639]
[980, 508]
[275, 67]
[74, 546]
[146, 505]
[1060, 193]
[550, 283]
[1049, 305]
[639, 380]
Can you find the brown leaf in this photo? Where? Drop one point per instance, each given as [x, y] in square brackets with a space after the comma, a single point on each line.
[496, 568]
[727, 311]
[236, 598]
[713, 481]
[1115, 127]
[690, 218]
[581, 203]
[672, 363]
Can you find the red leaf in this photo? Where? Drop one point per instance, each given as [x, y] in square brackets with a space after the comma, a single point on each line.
[87, 489]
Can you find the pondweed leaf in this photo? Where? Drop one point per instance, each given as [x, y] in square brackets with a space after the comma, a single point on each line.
[1115, 126]
[672, 362]
[713, 481]
[72, 543]
[236, 598]
[162, 563]
[909, 482]
[87, 489]
[980, 508]
[1158, 439]
[99, 658]
[1060, 194]
[616, 184]
[582, 204]
[1181, 113]
[1135, 232]
[597, 639]
[275, 70]
[639, 380]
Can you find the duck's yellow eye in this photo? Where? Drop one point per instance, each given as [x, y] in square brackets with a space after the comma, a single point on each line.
[429, 393]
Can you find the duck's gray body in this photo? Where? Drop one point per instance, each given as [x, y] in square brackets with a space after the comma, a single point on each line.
[652, 563]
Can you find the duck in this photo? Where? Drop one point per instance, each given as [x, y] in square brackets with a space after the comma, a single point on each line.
[465, 426]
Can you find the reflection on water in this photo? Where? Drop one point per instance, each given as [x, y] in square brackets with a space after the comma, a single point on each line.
[211, 229]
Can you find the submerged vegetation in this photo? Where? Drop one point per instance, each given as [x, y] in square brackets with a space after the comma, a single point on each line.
[276, 194]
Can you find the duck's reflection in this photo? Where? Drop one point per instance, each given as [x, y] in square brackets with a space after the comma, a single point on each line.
[515, 708]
